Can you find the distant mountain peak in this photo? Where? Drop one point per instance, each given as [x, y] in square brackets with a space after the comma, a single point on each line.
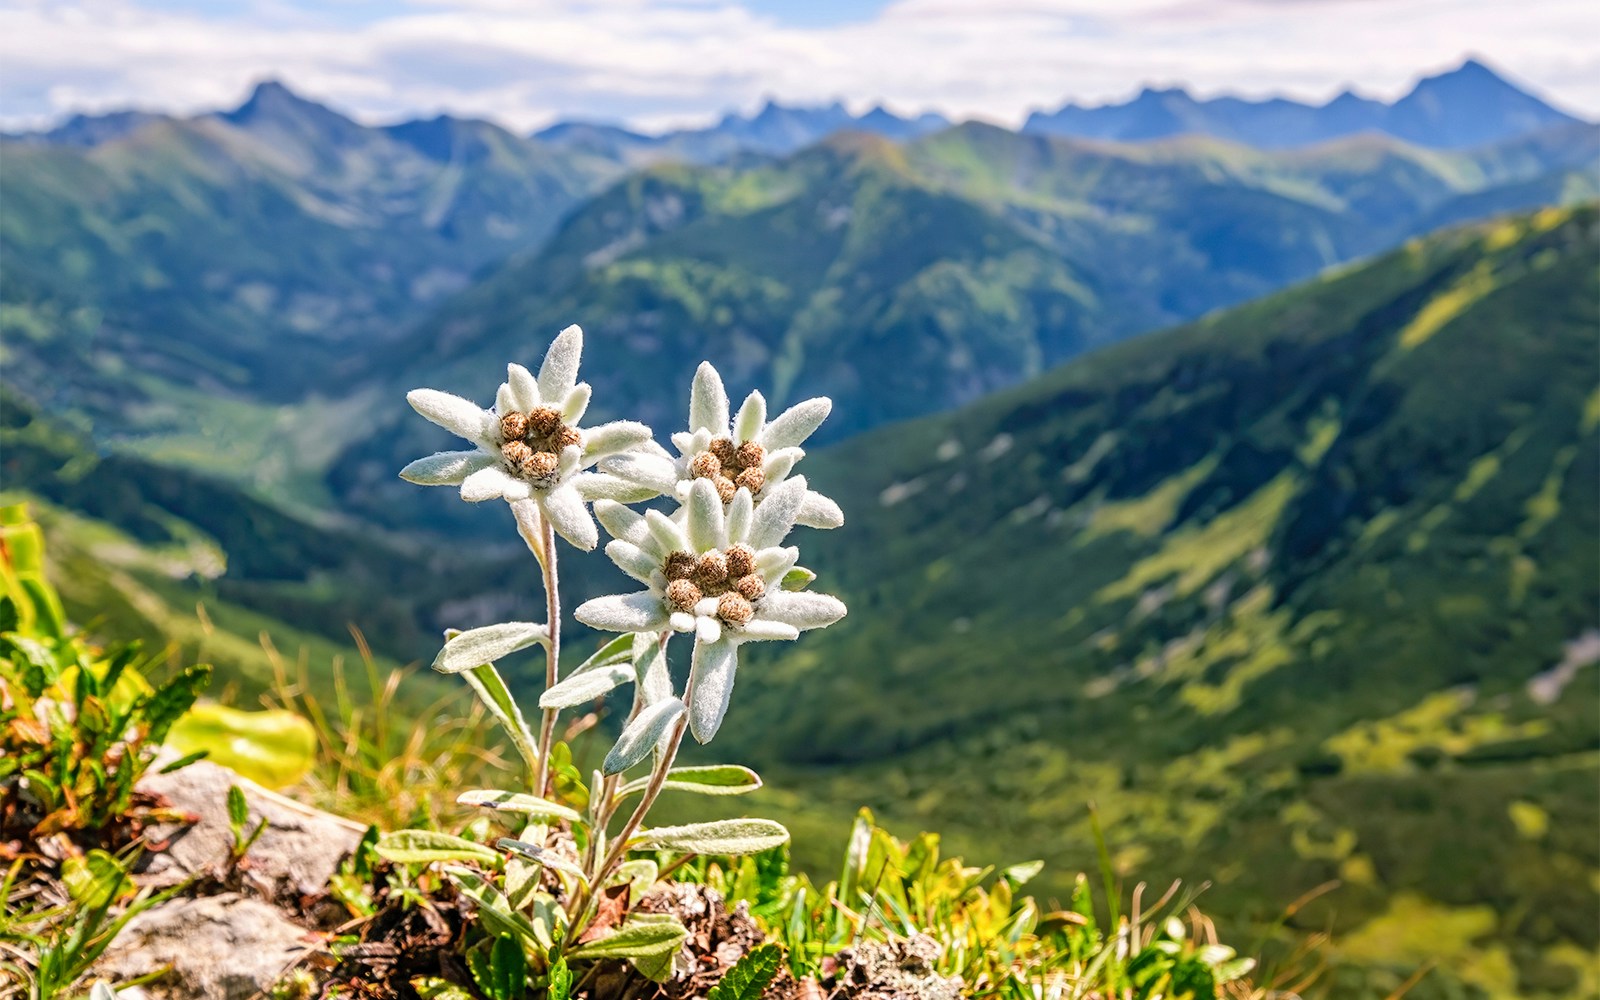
[272, 97]
[1470, 104]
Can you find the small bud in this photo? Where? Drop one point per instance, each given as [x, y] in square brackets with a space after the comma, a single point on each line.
[723, 449]
[726, 489]
[683, 594]
[751, 479]
[741, 560]
[711, 570]
[516, 453]
[706, 466]
[542, 465]
[514, 426]
[750, 587]
[734, 610]
[750, 455]
[568, 437]
[680, 565]
[543, 421]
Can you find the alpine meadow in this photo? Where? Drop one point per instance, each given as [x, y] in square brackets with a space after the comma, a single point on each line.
[1176, 492]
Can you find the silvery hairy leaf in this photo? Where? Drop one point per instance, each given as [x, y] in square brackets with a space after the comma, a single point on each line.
[725, 837]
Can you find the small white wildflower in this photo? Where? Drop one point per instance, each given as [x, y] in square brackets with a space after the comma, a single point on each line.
[749, 452]
[530, 450]
[715, 571]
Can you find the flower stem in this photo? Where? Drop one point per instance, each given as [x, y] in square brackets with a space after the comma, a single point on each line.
[619, 843]
[547, 727]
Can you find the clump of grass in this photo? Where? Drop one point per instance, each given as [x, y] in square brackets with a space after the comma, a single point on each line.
[377, 760]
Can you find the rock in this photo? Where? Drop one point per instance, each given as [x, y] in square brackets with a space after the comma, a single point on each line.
[896, 970]
[299, 850]
[225, 947]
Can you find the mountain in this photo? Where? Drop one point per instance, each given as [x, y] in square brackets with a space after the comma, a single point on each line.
[907, 279]
[258, 256]
[1304, 591]
[775, 130]
[1468, 106]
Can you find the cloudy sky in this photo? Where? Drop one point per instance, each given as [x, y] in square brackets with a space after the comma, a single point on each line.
[659, 63]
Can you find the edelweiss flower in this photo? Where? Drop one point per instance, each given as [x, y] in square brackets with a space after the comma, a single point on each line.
[717, 574]
[529, 447]
[752, 453]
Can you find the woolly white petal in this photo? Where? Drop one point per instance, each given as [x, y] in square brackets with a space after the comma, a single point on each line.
[492, 483]
[632, 560]
[576, 403]
[624, 524]
[739, 514]
[773, 563]
[684, 442]
[705, 523]
[794, 425]
[461, 417]
[524, 391]
[447, 468]
[609, 439]
[712, 681]
[752, 415]
[668, 534]
[638, 612]
[682, 621]
[803, 610]
[817, 511]
[570, 461]
[599, 485]
[707, 629]
[708, 401]
[647, 470]
[758, 630]
[564, 509]
[505, 400]
[559, 373]
[776, 467]
[776, 512]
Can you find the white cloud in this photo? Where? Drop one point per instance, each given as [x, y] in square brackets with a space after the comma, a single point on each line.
[658, 62]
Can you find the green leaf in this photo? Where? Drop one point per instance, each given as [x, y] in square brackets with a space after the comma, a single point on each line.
[496, 697]
[578, 688]
[274, 748]
[749, 977]
[798, 578]
[508, 970]
[174, 698]
[544, 856]
[1021, 874]
[412, 847]
[709, 779]
[642, 935]
[496, 912]
[433, 988]
[238, 808]
[95, 879]
[479, 646]
[518, 802]
[560, 981]
[641, 735]
[720, 837]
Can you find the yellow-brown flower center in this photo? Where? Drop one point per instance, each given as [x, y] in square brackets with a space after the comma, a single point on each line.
[729, 575]
[731, 466]
[531, 442]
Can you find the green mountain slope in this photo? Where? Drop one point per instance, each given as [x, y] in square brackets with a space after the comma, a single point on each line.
[1304, 591]
[261, 255]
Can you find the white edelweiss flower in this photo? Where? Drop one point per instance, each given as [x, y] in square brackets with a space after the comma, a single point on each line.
[749, 452]
[530, 450]
[717, 573]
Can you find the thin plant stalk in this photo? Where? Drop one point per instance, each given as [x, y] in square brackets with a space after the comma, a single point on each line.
[547, 726]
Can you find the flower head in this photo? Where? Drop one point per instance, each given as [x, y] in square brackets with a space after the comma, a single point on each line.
[749, 452]
[529, 447]
[717, 571]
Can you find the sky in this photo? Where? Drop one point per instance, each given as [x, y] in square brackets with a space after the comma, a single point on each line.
[655, 64]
